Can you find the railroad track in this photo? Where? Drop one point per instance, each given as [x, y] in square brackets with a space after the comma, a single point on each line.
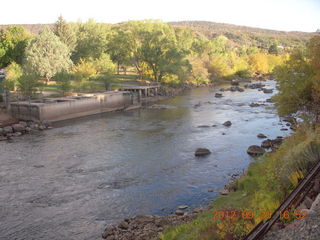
[293, 200]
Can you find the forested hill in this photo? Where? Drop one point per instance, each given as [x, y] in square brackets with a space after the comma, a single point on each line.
[243, 34]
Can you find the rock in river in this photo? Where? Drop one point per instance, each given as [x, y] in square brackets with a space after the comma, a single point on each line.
[182, 207]
[260, 135]
[227, 123]
[266, 143]
[218, 95]
[255, 150]
[266, 90]
[202, 152]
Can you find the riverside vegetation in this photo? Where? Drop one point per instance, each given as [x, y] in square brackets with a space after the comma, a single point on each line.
[89, 56]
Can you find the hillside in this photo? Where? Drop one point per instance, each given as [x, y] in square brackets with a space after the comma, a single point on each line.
[241, 35]
[244, 35]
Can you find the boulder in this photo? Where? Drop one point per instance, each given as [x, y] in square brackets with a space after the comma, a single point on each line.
[23, 123]
[255, 150]
[235, 82]
[7, 129]
[284, 129]
[227, 123]
[269, 100]
[1, 132]
[42, 127]
[265, 90]
[266, 143]
[202, 152]
[183, 207]
[222, 89]
[3, 138]
[179, 213]
[203, 126]
[224, 191]
[123, 225]
[218, 95]
[260, 135]
[18, 127]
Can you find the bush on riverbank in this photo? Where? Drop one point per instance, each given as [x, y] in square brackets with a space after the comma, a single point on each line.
[267, 182]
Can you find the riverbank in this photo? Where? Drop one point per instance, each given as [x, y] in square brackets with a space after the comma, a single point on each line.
[265, 185]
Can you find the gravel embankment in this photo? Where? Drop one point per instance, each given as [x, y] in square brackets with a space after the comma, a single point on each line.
[307, 229]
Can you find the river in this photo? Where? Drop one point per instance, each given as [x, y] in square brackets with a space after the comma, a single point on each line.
[72, 181]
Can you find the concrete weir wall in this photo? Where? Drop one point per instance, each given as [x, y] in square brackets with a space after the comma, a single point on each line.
[57, 109]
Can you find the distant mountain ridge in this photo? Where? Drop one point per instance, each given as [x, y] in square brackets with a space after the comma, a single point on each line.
[208, 28]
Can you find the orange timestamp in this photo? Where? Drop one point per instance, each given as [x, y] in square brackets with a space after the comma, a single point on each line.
[260, 214]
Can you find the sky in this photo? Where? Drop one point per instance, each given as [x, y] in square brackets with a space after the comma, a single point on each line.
[285, 15]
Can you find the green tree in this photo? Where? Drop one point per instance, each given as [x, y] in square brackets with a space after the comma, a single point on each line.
[64, 80]
[46, 55]
[13, 42]
[13, 73]
[120, 48]
[92, 40]
[66, 33]
[28, 84]
[273, 49]
[294, 84]
[105, 69]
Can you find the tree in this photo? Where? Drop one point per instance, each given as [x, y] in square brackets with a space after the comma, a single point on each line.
[314, 52]
[13, 73]
[63, 79]
[199, 72]
[46, 55]
[158, 48]
[92, 40]
[273, 49]
[66, 33]
[259, 63]
[105, 69]
[120, 48]
[28, 84]
[13, 42]
[294, 84]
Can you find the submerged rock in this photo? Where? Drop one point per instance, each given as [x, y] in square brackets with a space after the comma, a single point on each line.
[218, 95]
[255, 150]
[254, 105]
[202, 152]
[161, 106]
[227, 123]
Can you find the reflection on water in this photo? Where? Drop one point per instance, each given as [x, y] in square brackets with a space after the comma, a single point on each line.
[100, 169]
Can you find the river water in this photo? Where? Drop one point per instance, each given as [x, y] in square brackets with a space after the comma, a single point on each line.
[74, 180]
